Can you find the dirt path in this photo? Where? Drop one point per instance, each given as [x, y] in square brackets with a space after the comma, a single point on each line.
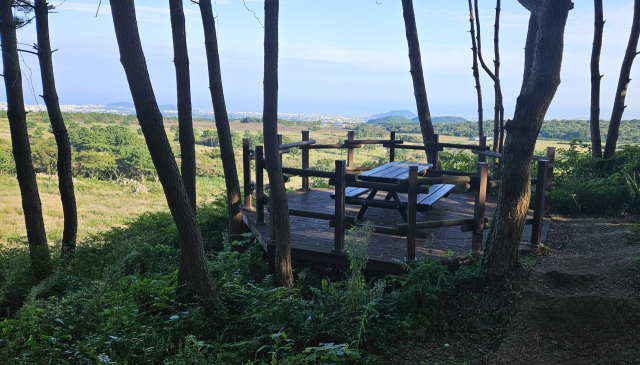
[581, 303]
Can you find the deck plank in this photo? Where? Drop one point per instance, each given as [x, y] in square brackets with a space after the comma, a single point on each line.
[315, 235]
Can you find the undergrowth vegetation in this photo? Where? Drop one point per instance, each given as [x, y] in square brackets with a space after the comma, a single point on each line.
[579, 190]
[114, 302]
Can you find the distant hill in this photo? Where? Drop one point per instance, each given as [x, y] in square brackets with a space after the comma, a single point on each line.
[445, 120]
[390, 119]
[167, 107]
[395, 113]
[120, 105]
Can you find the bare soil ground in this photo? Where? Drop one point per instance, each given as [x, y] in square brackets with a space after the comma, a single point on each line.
[578, 302]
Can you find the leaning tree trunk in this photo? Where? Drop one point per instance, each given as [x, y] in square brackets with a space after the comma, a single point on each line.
[222, 120]
[623, 84]
[596, 140]
[474, 67]
[183, 84]
[194, 277]
[31, 205]
[419, 88]
[50, 96]
[543, 60]
[279, 204]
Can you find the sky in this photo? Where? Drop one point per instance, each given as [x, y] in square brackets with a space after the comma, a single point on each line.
[338, 57]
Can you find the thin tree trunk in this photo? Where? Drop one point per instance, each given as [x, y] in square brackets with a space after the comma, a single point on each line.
[543, 60]
[236, 225]
[50, 96]
[194, 277]
[183, 84]
[476, 73]
[419, 88]
[31, 205]
[278, 202]
[496, 45]
[596, 140]
[623, 84]
[495, 76]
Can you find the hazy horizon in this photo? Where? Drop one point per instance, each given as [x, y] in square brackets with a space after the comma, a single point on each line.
[336, 57]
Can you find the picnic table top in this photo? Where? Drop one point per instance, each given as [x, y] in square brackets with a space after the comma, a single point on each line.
[393, 171]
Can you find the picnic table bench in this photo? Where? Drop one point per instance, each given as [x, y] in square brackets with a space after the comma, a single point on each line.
[392, 173]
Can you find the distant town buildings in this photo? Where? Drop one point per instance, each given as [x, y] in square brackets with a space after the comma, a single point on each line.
[325, 119]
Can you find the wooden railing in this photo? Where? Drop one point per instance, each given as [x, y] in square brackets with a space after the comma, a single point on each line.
[413, 186]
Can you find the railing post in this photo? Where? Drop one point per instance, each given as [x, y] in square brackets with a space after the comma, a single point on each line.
[279, 154]
[305, 160]
[392, 150]
[246, 171]
[259, 186]
[551, 155]
[341, 171]
[538, 206]
[478, 213]
[412, 209]
[482, 142]
[350, 136]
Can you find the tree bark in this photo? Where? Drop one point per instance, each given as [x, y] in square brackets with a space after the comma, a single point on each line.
[278, 202]
[50, 96]
[236, 225]
[596, 140]
[194, 277]
[419, 88]
[183, 85]
[31, 205]
[623, 84]
[543, 60]
[496, 46]
[474, 67]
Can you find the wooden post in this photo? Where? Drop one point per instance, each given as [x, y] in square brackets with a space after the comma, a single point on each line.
[305, 160]
[341, 171]
[551, 155]
[259, 186]
[350, 136]
[434, 156]
[482, 142]
[246, 167]
[538, 205]
[392, 151]
[412, 209]
[478, 213]
[279, 144]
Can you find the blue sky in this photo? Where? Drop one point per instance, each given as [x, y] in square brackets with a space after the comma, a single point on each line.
[344, 57]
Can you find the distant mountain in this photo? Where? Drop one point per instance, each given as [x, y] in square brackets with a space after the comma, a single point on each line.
[390, 119]
[395, 113]
[164, 107]
[120, 105]
[445, 120]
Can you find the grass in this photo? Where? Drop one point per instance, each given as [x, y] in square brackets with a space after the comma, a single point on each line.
[101, 205]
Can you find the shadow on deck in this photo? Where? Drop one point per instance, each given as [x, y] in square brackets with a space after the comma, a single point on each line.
[312, 239]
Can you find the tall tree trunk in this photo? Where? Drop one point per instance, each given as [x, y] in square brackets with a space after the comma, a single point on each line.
[596, 141]
[50, 96]
[543, 60]
[194, 277]
[623, 84]
[236, 226]
[419, 88]
[31, 205]
[183, 84]
[279, 204]
[476, 73]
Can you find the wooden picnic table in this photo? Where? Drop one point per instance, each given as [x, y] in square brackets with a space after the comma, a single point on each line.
[391, 172]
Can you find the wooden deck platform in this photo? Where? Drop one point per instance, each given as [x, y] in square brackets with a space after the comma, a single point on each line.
[312, 239]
